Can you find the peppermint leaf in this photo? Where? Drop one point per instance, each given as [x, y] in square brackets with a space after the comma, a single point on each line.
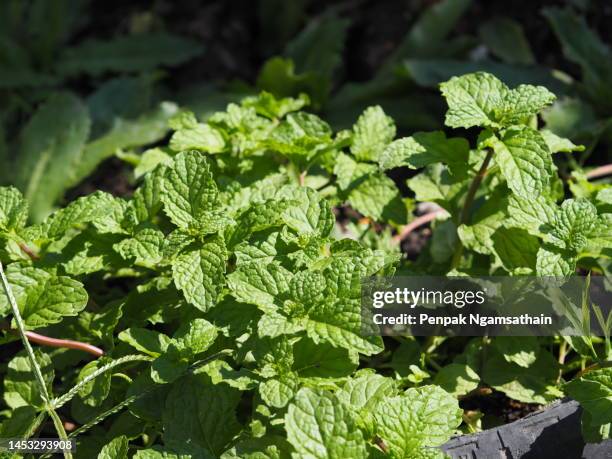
[145, 248]
[20, 387]
[417, 420]
[200, 415]
[457, 379]
[338, 322]
[43, 298]
[200, 273]
[524, 160]
[318, 426]
[198, 137]
[189, 191]
[594, 392]
[371, 134]
[13, 209]
[117, 448]
[480, 99]
[259, 284]
[426, 148]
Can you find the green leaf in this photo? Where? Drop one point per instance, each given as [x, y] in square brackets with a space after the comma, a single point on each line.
[534, 384]
[195, 337]
[96, 391]
[200, 415]
[13, 209]
[149, 127]
[267, 105]
[371, 134]
[49, 302]
[258, 217]
[145, 248]
[572, 224]
[582, 46]
[419, 419]
[457, 379]
[338, 322]
[430, 72]
[322, 360]
[318, 426]
[200, 273]
[428, 36]
[88, 209]
[555, 262]
[158, 453]
[593, 432]
[311, 215]
[144, 340]
[406, 355]
[425, 148]
[480, 99]
[558, 144]
[524, 160]
[189, 191]
[515, 248]
[522, 350]
[300, 137]
[278, 76]
[436, 184]
[594, 392]
[117, 448]
[21, 422]
[20, 386]
[168, 367]
[363, 394]
[150, 159]
[506, 39]
[318, 48]
[43, 299]
[366, 392]
[377, 196]
[279, 391]
[259, 284]
[472, 99]
[531, 213]
[174, 355]
[134, 53]
[199, 137]
[51, 149]
[119, 98]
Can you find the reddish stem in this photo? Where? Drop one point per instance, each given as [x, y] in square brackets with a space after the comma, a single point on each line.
[599, 172]
[65, 343]
[416, 223]
[25, 249]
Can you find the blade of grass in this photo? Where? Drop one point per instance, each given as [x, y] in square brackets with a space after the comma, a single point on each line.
[62, 400]
[85, 427]
[44, 393]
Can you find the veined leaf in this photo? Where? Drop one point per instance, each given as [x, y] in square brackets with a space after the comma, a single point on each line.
[51, 149]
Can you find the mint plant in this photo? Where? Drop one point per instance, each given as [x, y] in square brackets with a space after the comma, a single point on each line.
[226, 293]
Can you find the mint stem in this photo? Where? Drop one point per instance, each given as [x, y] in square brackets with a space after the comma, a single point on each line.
[601, 171]
[467, 206]
[416, 223]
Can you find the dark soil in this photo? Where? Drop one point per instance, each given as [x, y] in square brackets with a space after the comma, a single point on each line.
[497, 406]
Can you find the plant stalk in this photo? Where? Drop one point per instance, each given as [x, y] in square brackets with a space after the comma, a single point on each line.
[464, 217]
[62, 343]
[42, 387]
[601, 171]
[416, 223]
